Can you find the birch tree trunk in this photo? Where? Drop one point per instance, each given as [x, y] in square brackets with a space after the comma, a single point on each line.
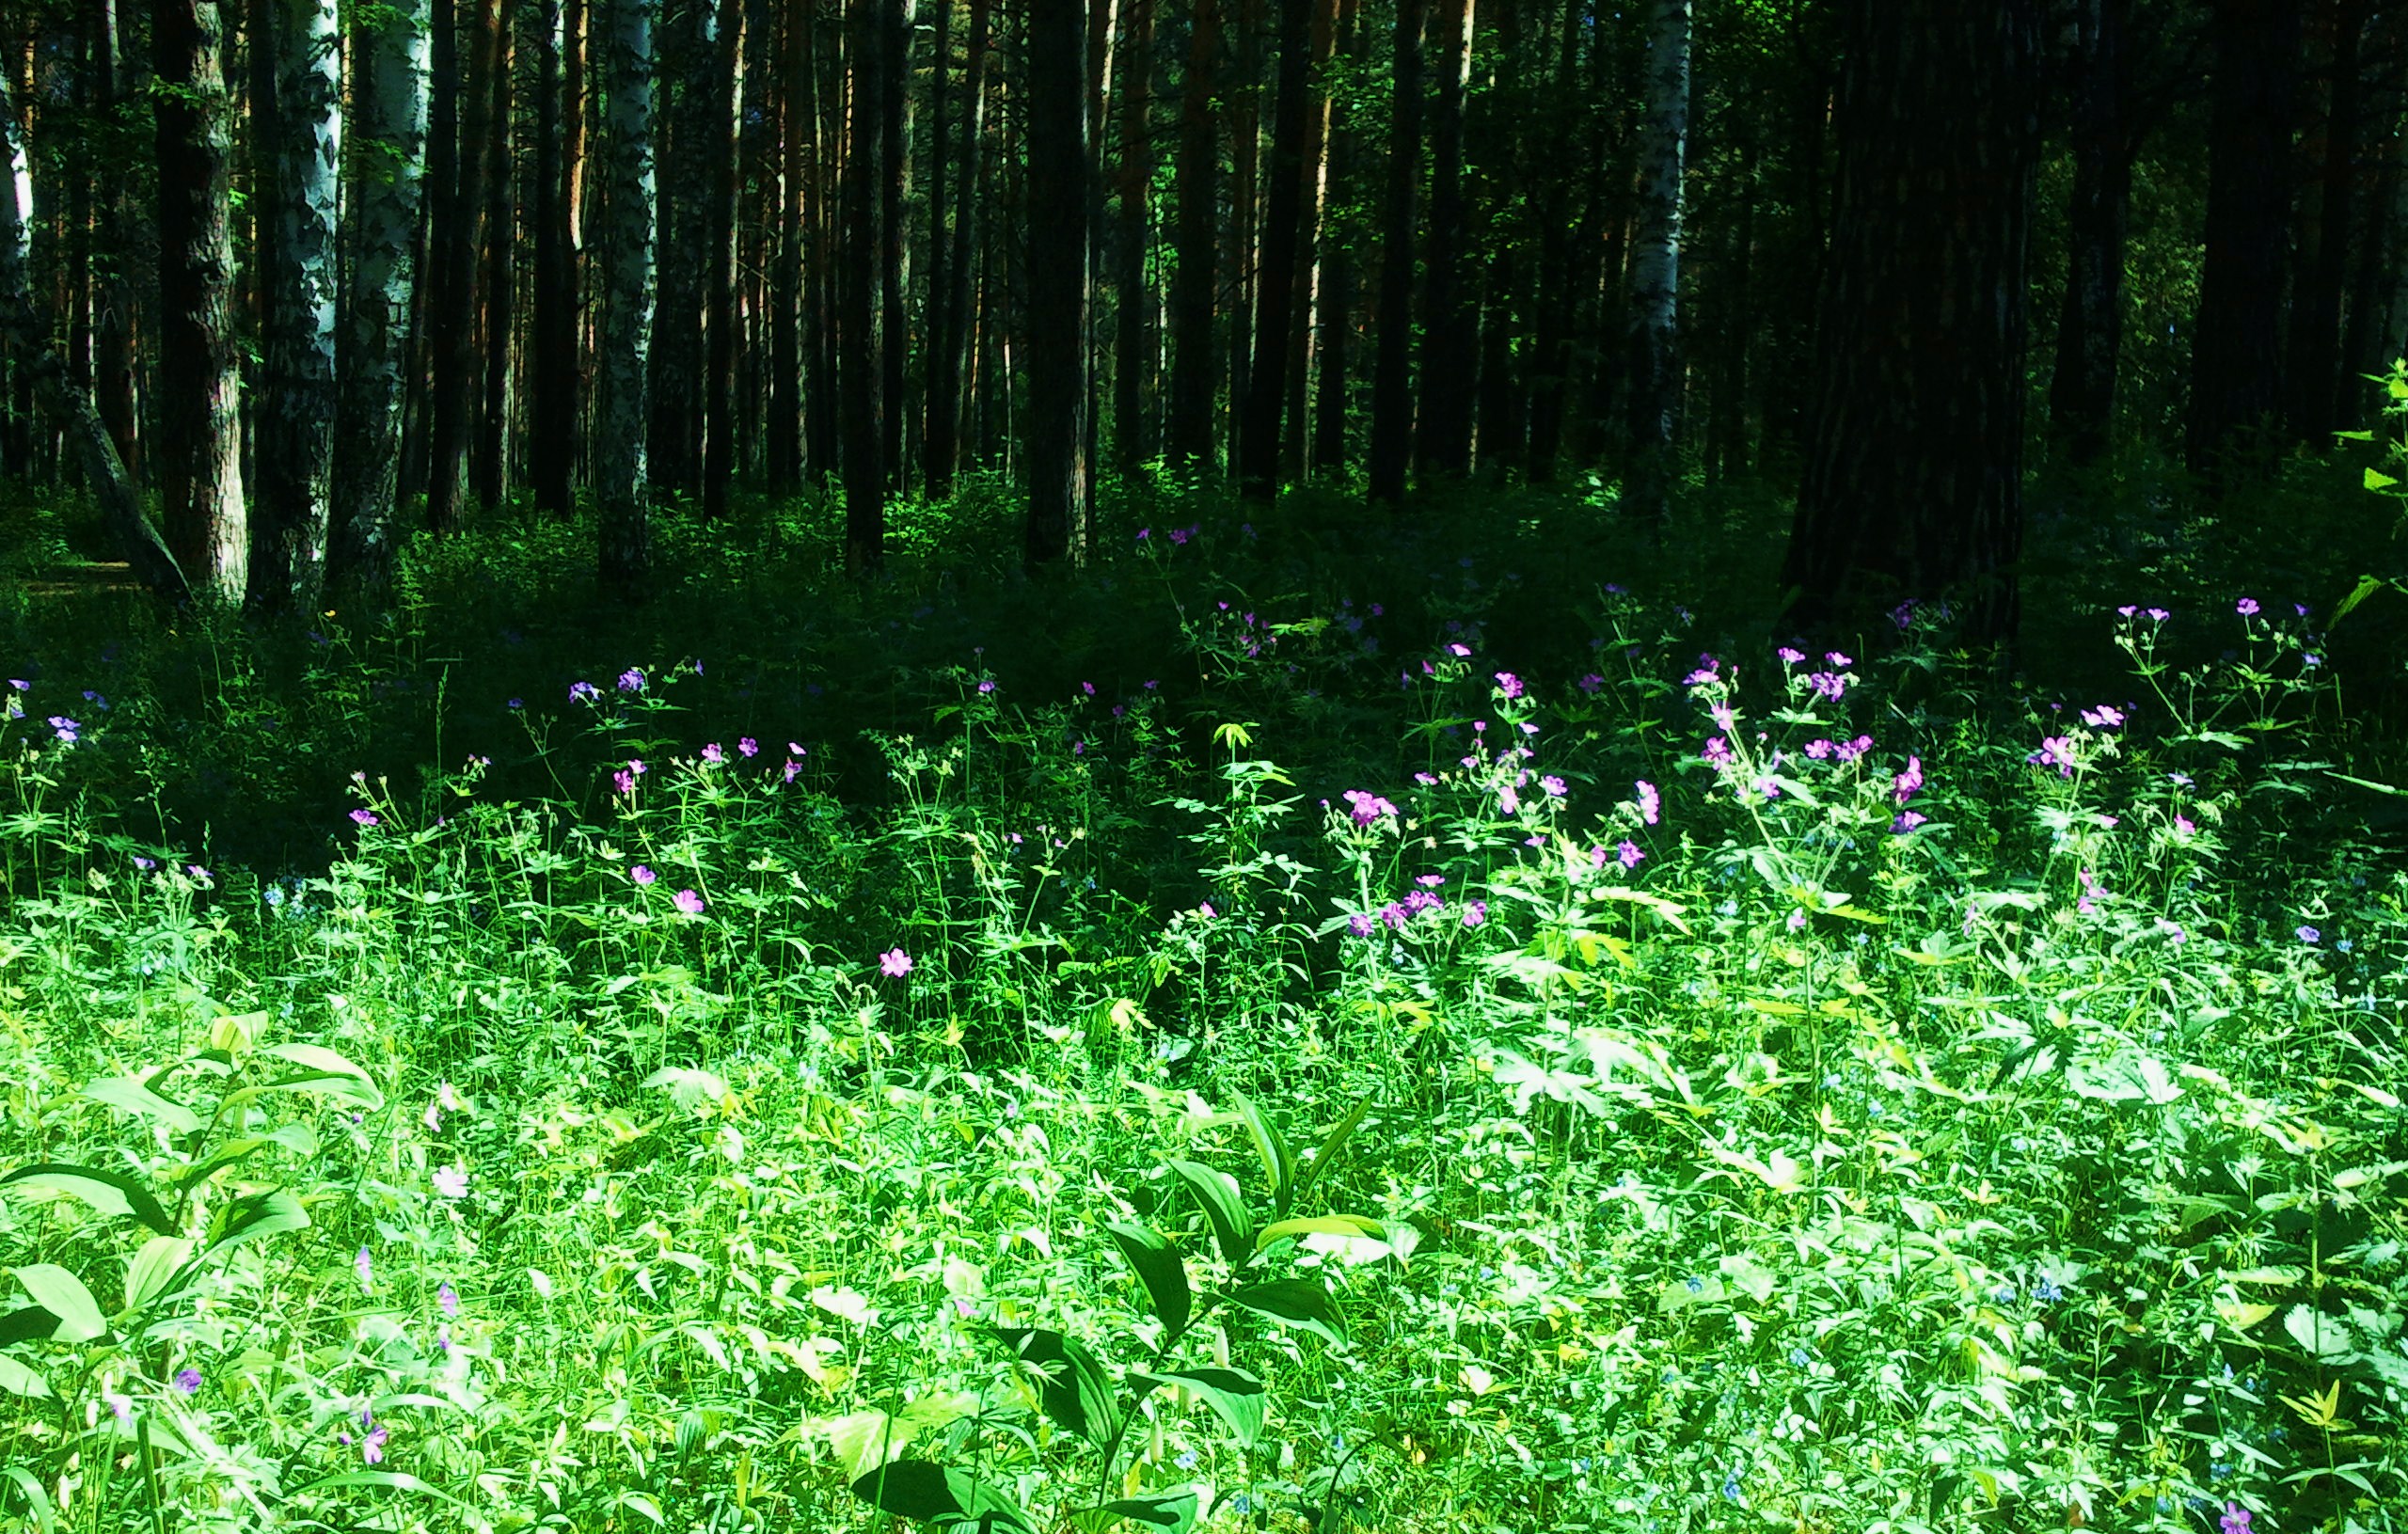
[295, 420]
[387, 152]
[1656, 264]
[200, 467]
[622, 321]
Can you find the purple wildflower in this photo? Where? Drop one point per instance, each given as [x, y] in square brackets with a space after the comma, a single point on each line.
[894, 963]
[687, 901]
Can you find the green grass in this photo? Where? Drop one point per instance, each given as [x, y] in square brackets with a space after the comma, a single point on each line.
[1751, 1164]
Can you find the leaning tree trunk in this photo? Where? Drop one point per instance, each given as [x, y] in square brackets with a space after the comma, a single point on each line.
[2236, 360]
[863, 372]
[623, 302]
[1914, 482]
[296, 419]
[1392, 363]
[1058, 283]
[1656, 265]
[1266, 394]
[390, 80]
[26, 332]
[1196, 243]
[2090, 325]
[200, 466]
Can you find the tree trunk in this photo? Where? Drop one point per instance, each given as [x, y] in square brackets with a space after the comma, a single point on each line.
[1335, 319]
[1295, 437]
[1267, 382]
[552, 440]
[1656, 265]
[1136, 314]
[1449, 323]
[459, 241]
[497, 288]
[2236, 363]
[296, 419]
[941, 449]
[863, 371]
[1392, 378]
[1196, 242]
[27, 334]
[622, 318]
[893, 248]
[2090, 325]
[388, 146]
[1914, 480]
[1058, 173]
[199, 457]
[2323, 245]
[1242, 101]
[690, 142]
[717, 120]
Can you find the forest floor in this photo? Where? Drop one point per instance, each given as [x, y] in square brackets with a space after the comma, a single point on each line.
[1309, 1022]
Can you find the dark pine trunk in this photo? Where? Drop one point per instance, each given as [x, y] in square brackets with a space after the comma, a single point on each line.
[720, 319]
[1058, 172]
[1196, 242]
[1912, 490]
[1267, 380]
[1392, 374]
[1335, 320]
[552, 444]
[862, 373]
[1450, 322]
[2090, 325]
[2323, 250]
[459, 215]
[1136, 324]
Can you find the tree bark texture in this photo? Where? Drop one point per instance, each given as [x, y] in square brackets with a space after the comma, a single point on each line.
[1656, 264]
[1196, 243]
[623, 321]
[1275, 293]
[2090, 325]
[1449, 321]
[1059, 169]
[1392, 375]
[1136, 325]
[551, 448]
[863, 371]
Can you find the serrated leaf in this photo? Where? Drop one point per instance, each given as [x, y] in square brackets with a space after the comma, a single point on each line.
[63, 1295]
[1074, 1389]
[110, 1193]
[1159, 1269]
[1216, 1193]
[1234, 1396]
[866, 1440]
[1277, 1170]
[133, 1096]
[2320, 1336]
[1295, 1302]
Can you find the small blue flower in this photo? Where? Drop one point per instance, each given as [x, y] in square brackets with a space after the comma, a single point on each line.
[2046, 1291]
[1697, 1285]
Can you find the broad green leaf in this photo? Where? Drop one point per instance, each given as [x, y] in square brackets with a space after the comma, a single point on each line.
[1218, 1193]
[321, 1061]
[866, 1440]
[17, 1380]
[1074, 1389]
[235, 1032]
[298, 1138]
[951, 1499]
[1235, 1396]
[1277, 1170]
[1160, 1269]
[1174, 1512]
[1332, 1146]
[1327, 1225]
[255, 1217]
[131, 1094]
[111, 1192]
[63, 1295]
[391, 1481]
[45, 1516]
[1753, 1279]
[1295, 1302]
[2320, 1336]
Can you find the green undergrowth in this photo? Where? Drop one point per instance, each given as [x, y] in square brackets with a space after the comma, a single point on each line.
[1272, 1033]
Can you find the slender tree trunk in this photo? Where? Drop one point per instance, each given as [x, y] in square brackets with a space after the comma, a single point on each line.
[295, 422]
[2323, 260]
[688, 144]
[864, 379]
[1296, 436]
[1242, 101]
[1136, 315]
[26, 332]
[716, 118]
[1267, 381]
[552, 441]
[1449, 323]
[1058, 247]
[460, 240]
[623, 321]
[2236, 361]
[200, 475]
[1335, 317]
[114, 302]
[941, 449]
[497, 300]
[935, 313]
[1196, 239]
[1392, 422]
[2090, 325]
[797, 157]
[1913, 483]
[2363, 347]
[894, 247]
[1655, 267]
[387, 148]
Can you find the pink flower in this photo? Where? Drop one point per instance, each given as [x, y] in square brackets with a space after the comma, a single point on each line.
[1905, 786]
[687, 901]
[1509, 683]
[1629, 854]
[1475, 912]
[1651, 804]
[748, 747]
[712, 755]
[363, 819]
[452, 1181]
[894, 963]
[448, 1298]
[642, 874]
[1204, 909]
[365, 1266]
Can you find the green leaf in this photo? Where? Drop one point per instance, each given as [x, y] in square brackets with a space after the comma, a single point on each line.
[2369, 782]
[63, 1295]
[2320, 1336]
[2368, 586]
[1174, 1513]
[131, 1094]
[111, 1192]
[866, 1440]
[1278, 1169]
[1327, 1225]
[1335, 1142]
[45, 1516]
[391, 1481]
[1075, 1390]
[146, 1276]
[255, 1217]
[951, 1499]
[2378, 480]
[1295, 1302]
[18, 1379]
[322, 1064]
[1216, 1191]
[1235, 1396]
[1160, 1269]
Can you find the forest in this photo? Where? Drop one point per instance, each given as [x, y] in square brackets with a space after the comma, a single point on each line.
[1485, 765]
